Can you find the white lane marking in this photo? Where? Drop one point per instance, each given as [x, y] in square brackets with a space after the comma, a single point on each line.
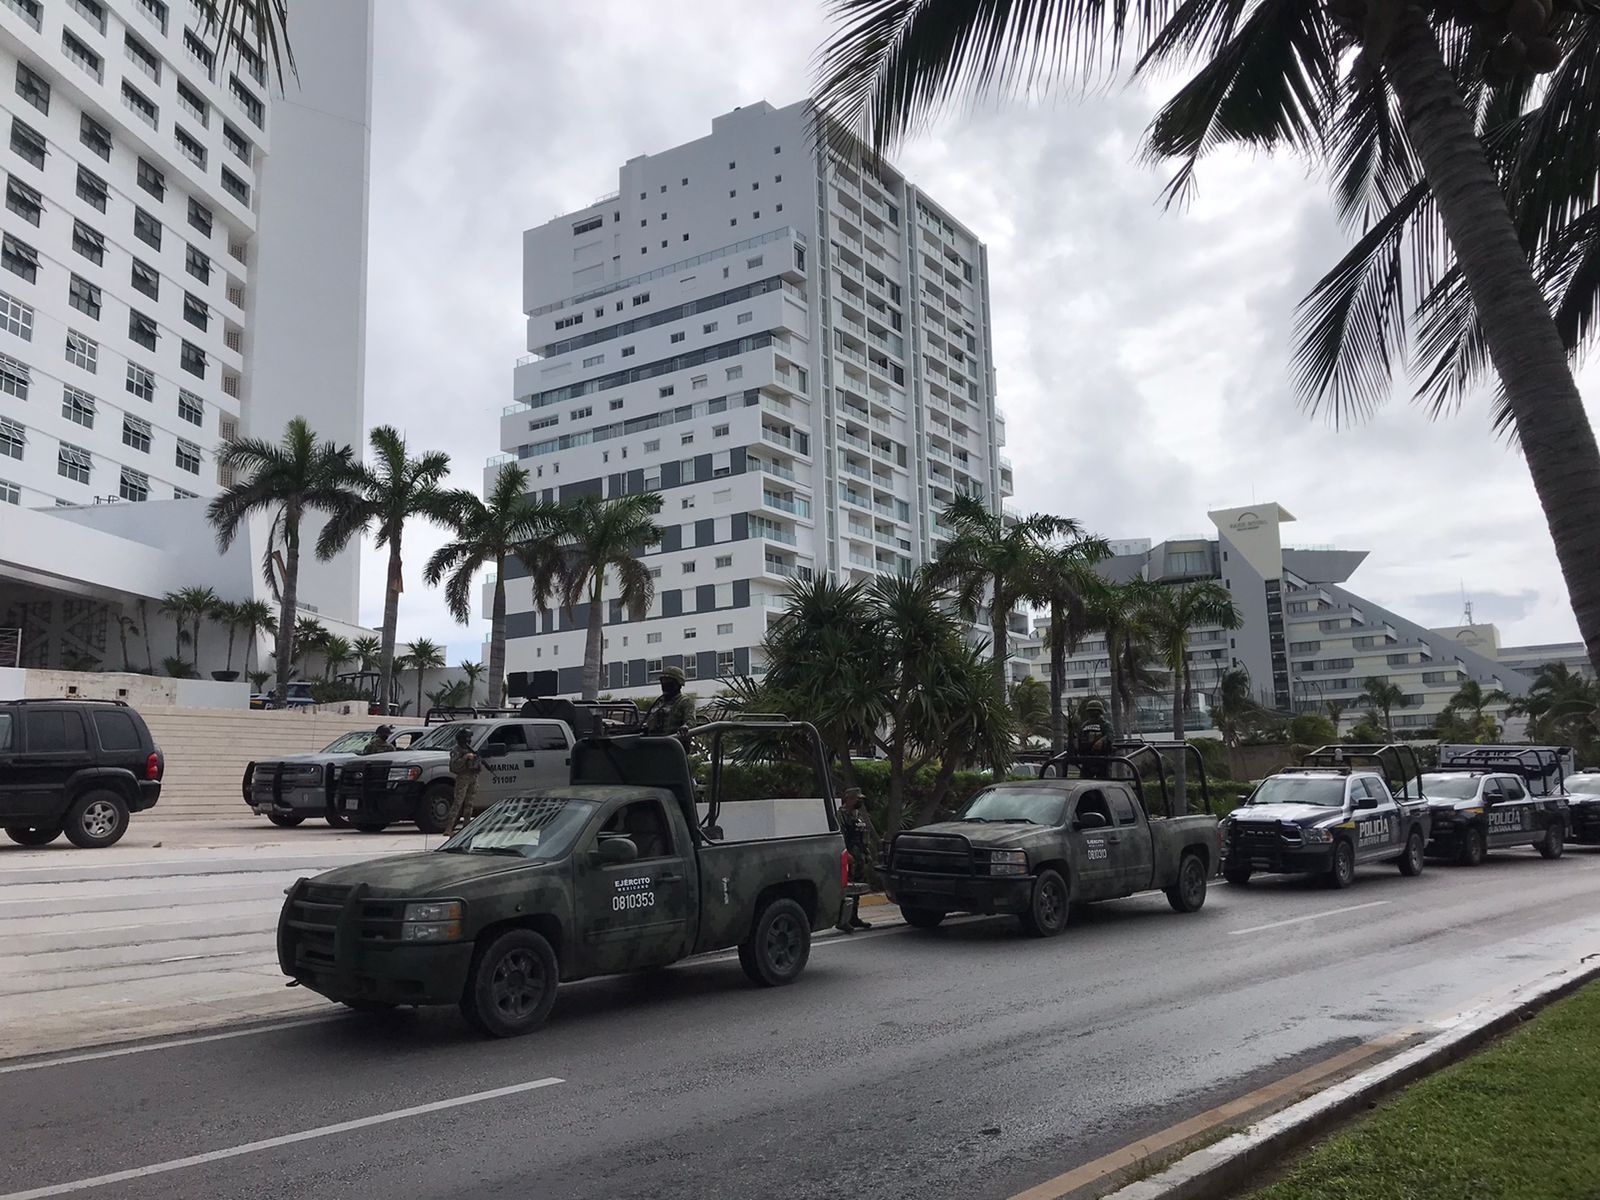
[288, 1139]
[1332, 912]
[172, 1043]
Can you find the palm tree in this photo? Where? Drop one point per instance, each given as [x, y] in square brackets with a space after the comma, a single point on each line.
[291, 479]
[1561, 708]
[1381, 95]
[143, 609]
[1064, 579]
[1231, 704]
[423, 656]
[1384, 697]
[1030, 704]
[488, 533]
[188, 607]
[336, 651]
[261, 26]
[1471, 697]
[1120, 611]
[392, 490]
[175, 604]
[601, 539]
[1172, 612]
[990, 556]
[1335, 710]
[125, 626]
[255, 617]
[310, 637]
[474, 672]
[367, 650]
[226, 614]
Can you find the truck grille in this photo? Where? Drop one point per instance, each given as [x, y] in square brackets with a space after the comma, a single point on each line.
[1263, 837]
[363, 785]
[932, 854]
[316, 916]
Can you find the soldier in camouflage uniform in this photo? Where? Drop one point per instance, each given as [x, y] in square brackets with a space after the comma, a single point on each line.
[379, 742]
[671, 712]
[859, 834]
[1096, 742]
[464, 768]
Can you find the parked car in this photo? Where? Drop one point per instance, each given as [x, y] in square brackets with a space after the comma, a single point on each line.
[296, 695]
[288, 790]
[1475, 810]
[79, 767]
[1583, 807]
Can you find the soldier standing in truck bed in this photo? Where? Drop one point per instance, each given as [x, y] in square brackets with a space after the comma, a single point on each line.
[1096, 741]
[671, 712]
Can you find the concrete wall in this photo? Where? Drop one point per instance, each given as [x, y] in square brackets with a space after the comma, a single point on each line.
[207, 750]
[144, 692]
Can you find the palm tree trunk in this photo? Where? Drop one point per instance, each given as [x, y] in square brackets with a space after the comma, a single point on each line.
[122, 635]
[144, 624]
[1058, 681]
[422, 673]
[199, 617]
[595, 645]
[1557, 440]
[941, 788]
[391, 618]
[497, 637]
[233, 632]
[1180, 710]
[997, 632]
[289, 596]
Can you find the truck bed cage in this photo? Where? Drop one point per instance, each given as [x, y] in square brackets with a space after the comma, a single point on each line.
[1536, 764]
[1131, 752]
[587, 718]
[1395, 761]
[443, 716]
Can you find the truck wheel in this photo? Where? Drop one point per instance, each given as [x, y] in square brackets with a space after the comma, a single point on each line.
[778, 946]
[335, 818]
[285, 820]
[1047, 914]
[511, 984]
[1238, 876]
[1474, 849]
[97, 820]
[922, 918]
[369, 826]
[1343, 872]
[436, 804]
[1412, 860]
[23, 835]
[1189, 893]
[1554, 841]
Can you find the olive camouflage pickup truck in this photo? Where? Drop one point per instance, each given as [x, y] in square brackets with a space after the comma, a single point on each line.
[1035, 848]
[621, 869]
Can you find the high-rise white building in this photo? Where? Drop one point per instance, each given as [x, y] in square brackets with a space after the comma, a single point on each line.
[792, 348]
[184, 263]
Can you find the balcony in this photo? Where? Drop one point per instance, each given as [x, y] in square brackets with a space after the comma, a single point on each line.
[28, 10]
[798, 506]
[774, 469]
[787, 570]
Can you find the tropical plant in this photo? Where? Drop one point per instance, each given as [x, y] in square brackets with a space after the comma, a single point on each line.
[423, 656]
[1171, 612]
[1063, 581]
[1383, 96]
[143, 609]
[179, 668]
[977, 727]
[175, 604]
[226, 614]
[1232, 705]
[336, 651]
[310, 637]
[1367, 730]
[392, 489]
[255, 617]
[489, 532]
[1384, 697]
[259, 27]
[1335, 710]
[1473, 698]
[474, 671]
[290, 479]
[125, 626]
[259, 679]
[1119, 611]
[449, 695]
[1311, 729]
[1030, 705]
[367, 650]
[1561, 707]
[188, 607]
[601, 539]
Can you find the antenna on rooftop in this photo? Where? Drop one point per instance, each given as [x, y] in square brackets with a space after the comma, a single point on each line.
[1466, 605]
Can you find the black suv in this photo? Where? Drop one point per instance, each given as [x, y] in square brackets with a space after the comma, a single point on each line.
[74, 766]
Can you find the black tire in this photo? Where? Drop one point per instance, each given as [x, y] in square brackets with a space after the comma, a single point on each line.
[511, 984]
[335, 818]
[369, 1006]
[1413, 858]
[779, 944]
[1237, 876]
[1474, 849]
[286, 820]
[1047, 912]
[922, 918]
[24, 835]
[97, 820]
[1343, 872]
[369, 826]
[1554, 842]
[1188, 894]
[437, 802]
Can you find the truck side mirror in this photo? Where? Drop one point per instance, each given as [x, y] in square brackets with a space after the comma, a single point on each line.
[1366, 802]
[616, 850]
[495, 750]
[1091, 820]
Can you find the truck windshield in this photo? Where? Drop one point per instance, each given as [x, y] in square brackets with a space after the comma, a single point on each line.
[535, 827]
[1300, 789]
[1450, 787]
[1584, 785]
[442, 737]
[1037, 806]
[350, 743]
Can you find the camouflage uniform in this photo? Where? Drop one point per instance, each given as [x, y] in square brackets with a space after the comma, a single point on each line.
[378, 744]
[1096, 740]
[464, 768]
[668, 714]
[856, 826]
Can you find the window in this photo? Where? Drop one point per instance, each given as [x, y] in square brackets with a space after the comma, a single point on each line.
[152, 180]
[236, 142]
[755, 262]
[95, 136]
[179, 493]
[15, 376]
[197, 263]
[195, 311]
[191, 147]
[253, 107]
[688, 567]
[651, 446]
[690, 633]
[28, 142]
[652, 639]
[191, 408]
[83, 351]
[142, 329]
[200, 216]
[55, 730]
[33, 87]
[666, 391]
[31, 12]
[719, 431]
[23, 200]
[77, 406]
[19, 258]
[13, 437]
[193, 360]
[200, 52]
[16, 317]
[74, 463]
[1304, 647]
[725, 560]
[735, 373]
[188, 457]
[1399, 660]
[194, 104]
[627, 352]
[594, 360]
[84, 296]
[89, 243]
[579, 414]
[10, 493]
[686, 503]
[591, 224]
[116, 729]
[142, 57]
[724, 629]
[141, 382]
[745, 318]
[146, 228]
[616, 404]
[141, 104]
[677, 337]
[725, 663]
[236, 187]
[136, 433]
[135, 485]
[641, 298]
[686, 440]
[698, 382]
[91, 188]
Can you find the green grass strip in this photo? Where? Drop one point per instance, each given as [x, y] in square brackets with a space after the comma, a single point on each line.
[1520, 1121]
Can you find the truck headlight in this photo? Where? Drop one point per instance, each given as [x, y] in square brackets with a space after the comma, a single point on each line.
[404, 774]
[432, 921]
[1008, 862]
[448, 910]
[1318, 836]
[439, 932]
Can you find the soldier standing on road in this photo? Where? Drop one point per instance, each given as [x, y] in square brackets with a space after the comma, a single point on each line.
[464, 768]
[380, 742]
[671, 712]
[856, 825]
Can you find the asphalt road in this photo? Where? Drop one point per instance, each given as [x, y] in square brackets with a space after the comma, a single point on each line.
[962, 1062]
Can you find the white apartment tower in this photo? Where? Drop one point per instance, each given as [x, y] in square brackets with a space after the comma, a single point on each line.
[792, 348]
[184, 262]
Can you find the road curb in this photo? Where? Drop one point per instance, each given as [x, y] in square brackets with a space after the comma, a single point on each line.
[1236, 1162]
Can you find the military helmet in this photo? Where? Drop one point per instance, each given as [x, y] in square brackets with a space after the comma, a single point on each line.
[1094, 706]
[385, 730]
[463, 737]
[673, 673]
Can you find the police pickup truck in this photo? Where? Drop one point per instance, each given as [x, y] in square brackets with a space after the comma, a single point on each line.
[288, 790]
[620, 869]
[1329, 815]
[1035, 848]
[1490, 797]
[1583, 807]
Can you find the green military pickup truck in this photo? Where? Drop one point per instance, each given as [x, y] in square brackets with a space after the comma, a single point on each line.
[621, 869]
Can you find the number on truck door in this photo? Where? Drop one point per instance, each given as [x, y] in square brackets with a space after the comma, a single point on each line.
[635, 913]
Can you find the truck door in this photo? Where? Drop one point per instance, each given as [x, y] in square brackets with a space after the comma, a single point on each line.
[505, 774]
[634, 914]
[1508, 810]
[1380, 832]
[550, 755]
[1093, 846]
[1132, 854]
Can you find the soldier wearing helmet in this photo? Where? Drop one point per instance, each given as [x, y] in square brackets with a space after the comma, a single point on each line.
[1096, 740]
[672, 712]
[381, 742]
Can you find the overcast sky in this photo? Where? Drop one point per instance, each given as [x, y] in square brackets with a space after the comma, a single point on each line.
[1142, 354]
